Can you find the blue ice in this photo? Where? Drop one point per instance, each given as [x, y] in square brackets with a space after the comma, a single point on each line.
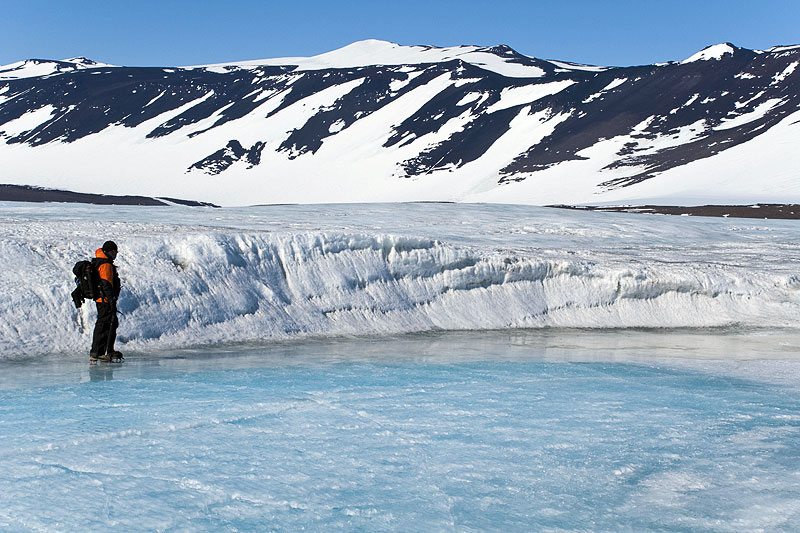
[449, 432]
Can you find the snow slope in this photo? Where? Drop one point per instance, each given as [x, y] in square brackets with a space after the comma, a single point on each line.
[376, 121]
[200, 276]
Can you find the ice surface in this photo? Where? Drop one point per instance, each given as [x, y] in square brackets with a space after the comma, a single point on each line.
[205, 276]
[514, 431]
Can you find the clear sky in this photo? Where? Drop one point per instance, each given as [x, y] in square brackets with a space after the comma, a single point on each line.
[188, 32]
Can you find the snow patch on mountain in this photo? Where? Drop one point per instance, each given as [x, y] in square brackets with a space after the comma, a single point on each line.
[27, 122]
[788, 71]
[567, 66]
[745, 118]
[713, 52]
[32, 68]
[515, 96]
[613, 85]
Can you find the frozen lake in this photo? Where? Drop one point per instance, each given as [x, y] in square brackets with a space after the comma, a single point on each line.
[634, 430]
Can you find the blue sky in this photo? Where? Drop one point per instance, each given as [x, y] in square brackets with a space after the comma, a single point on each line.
[181, 32]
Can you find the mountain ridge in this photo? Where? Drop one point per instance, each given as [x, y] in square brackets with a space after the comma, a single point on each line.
[378, 45]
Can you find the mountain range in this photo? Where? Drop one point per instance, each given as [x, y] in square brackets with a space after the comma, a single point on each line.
[377, 121]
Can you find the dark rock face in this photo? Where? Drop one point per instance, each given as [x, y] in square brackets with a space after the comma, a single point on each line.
[24, 193]
[693, 103]
[779, 211]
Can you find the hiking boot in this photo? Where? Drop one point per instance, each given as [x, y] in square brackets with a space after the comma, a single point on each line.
[99, 357]
[115, 355]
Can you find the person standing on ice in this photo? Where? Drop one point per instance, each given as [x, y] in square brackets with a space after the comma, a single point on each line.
[105, 330]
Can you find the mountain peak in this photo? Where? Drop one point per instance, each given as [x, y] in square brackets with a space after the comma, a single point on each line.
[374, 52]
[81, 60]
[714, 52]
[31, 68]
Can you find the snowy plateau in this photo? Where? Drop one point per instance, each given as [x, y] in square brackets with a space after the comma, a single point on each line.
[376, 121]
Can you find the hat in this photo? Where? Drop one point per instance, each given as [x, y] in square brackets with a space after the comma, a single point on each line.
[109, 246]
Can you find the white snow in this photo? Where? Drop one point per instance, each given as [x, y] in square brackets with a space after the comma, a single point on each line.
[470, 98]
[691, 100]
[780, 77]
[155, 98]
[32, 68]
[567, 66]
[198, 276]
[337, 126]
[376, 52]
[763, 170]
[755, 97]
[714, 52]
[26, 69]
[758, 112]
[615, 83]
[778, 49]
[514, 96]
[27, 121]
[397, 85]
[354, 163]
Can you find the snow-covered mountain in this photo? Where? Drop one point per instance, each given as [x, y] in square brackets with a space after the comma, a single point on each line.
[376, 121]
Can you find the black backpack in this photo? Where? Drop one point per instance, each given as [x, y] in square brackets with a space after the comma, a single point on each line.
[87, 281]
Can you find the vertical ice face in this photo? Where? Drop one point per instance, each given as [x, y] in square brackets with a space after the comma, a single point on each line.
[280, 273]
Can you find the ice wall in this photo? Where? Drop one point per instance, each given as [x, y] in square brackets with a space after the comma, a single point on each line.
[184, 287]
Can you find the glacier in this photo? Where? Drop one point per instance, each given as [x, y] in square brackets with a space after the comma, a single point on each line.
[209, 276]
[391, 367]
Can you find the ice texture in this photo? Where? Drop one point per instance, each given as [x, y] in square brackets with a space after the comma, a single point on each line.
[534, 431]
[205, 276]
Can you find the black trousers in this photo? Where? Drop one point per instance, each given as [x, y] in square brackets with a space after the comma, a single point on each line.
[105, 330]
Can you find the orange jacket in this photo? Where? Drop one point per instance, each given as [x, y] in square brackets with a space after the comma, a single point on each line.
[106, 273]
